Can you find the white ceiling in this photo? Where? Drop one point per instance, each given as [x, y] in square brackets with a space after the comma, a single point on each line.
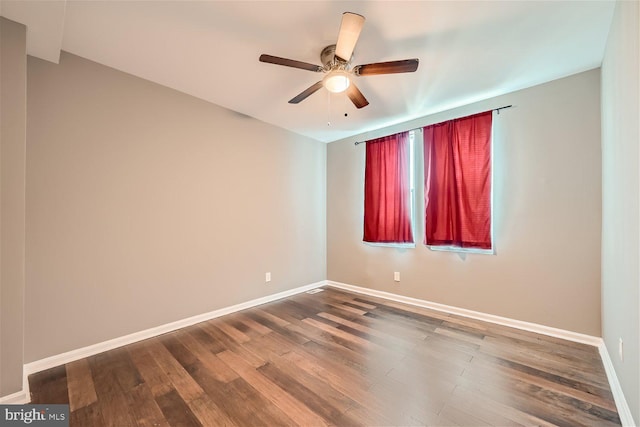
[468, 51]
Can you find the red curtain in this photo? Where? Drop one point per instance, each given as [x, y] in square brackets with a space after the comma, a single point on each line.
[457, 182]
[387, 216]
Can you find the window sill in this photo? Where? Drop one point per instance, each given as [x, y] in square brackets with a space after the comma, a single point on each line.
[392, 245]
[462, 250]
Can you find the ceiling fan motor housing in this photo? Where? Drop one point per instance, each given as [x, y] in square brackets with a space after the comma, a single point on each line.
[330, 60]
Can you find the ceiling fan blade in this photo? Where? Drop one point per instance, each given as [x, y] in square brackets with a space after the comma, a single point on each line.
[289, 63]
[348, 36]
[391, 67]
[305, 93]
[356, 96]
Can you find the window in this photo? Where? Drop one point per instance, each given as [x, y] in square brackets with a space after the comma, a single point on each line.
[388, 191]
[457, 179]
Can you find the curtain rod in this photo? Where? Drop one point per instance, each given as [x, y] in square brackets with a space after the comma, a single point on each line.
[495, 109]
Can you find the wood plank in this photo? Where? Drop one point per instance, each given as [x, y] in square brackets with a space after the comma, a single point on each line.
[230, 344]
[49, 386]
[179, 352]
[176, 411]
[490, 414]
[218, 369]
[114, 408]
[298, 412]
[114, 373]
[275, 314]
[245, 403]
[355, 387]
[461, 416]
[333, 370]
[279, 329]
[153, 376]
[206, 340]
[543, 363]
[268, 345]
[237, 335]
[569, 387]
[144, 409]
[426, 402]
[545, 404]
[80, 383]
[369, 418]
[90, 415]
[209, 413]
[318, 403]
[365, 344]
[386, 339]
[182, 382]
[257, 327]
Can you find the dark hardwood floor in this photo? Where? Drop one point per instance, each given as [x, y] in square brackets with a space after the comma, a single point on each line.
[336, 358]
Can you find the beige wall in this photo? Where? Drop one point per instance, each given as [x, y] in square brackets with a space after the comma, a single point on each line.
[145, 206]
[547, 207]
[620, 193]
[13, 78]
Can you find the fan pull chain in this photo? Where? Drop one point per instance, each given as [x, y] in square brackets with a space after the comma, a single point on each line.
[344, 105]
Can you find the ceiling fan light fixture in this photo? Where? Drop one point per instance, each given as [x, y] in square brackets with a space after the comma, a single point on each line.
[336, 81]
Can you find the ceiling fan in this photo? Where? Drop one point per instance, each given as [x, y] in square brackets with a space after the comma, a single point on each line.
[336, 60]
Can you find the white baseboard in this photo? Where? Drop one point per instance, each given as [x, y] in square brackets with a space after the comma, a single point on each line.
[17, 398]
[518, 324]
[621, 403]
[80, 353]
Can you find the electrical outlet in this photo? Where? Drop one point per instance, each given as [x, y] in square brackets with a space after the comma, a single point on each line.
[621, 349]
[396, 276]
[267, 277]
